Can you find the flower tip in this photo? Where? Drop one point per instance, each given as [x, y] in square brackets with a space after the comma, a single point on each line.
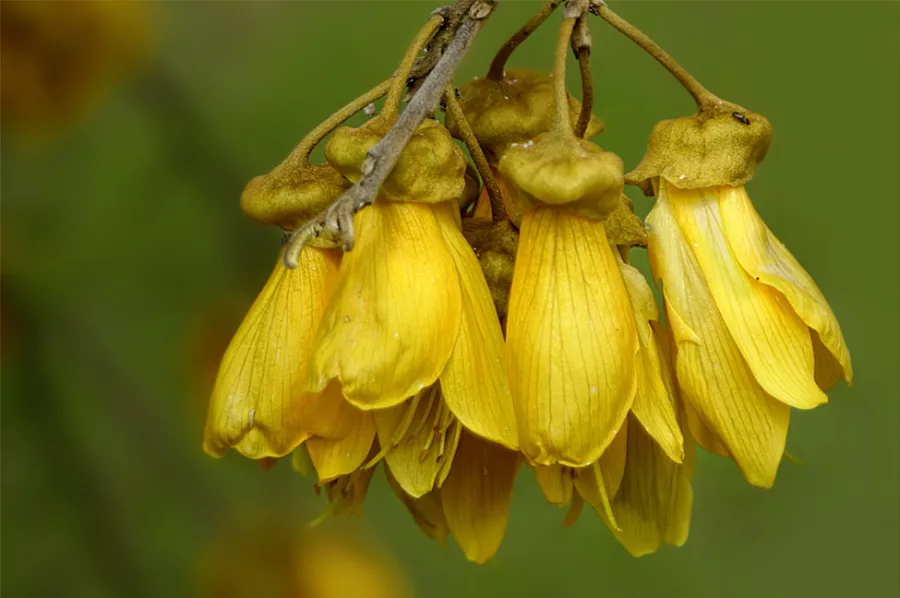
[213, 449]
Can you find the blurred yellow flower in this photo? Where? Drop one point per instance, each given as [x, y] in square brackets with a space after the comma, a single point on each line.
[59, 58]
[269, 556]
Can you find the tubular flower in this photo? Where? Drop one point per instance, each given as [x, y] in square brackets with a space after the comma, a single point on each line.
[641, 483]
[258, 405]
[571, 340]
[755, 335]
[412, 339]
[411, 306]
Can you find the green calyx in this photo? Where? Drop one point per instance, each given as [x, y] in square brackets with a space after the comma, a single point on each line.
[624, 228]
[513, 110]
[561, 169]
[430, 169]
[720, 145]
[292, 194]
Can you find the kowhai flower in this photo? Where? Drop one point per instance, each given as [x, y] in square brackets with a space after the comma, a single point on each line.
[461, 334]
[755, 335]
[640, 486]
[571, 341]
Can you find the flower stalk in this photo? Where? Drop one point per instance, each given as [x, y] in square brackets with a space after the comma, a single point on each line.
[581, 45]
[484, 169]
[337, 220]
[495, 72]
[701, 95]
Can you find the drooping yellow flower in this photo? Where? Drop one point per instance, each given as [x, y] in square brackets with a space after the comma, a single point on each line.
[571, 340]
[412, 340]
[427, 440]
[641, 483]
[755, 335]
[411, 306]
[257, 403]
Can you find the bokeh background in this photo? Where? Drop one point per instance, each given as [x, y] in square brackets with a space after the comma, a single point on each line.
[126, 264]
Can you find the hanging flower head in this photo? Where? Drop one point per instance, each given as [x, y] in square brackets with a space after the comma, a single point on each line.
[450, 334]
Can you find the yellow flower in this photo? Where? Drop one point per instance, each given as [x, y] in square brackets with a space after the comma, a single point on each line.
[641, 483]
[571, 340]
[257, 403]
[269, 555]
[425, 327]
[411, 306]
[60, 58]
[754, 333]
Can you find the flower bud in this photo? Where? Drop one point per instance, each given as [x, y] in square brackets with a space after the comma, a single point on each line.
[430, 168]
[560, 169]
[495, 246]
[513, 110]
[718, 146]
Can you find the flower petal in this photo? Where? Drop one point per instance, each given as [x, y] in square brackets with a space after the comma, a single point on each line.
[653, 405]
[713, 375]
[571, 341]
[654, 502]
[477, 493]
[555, 482]
[427, 510]
[256, 404]
[828, 370]
[392, 323]
[328, 414]
[333, 458]
[474, 382]
[772, 338]
[599, 482]
[421, 446]
[766, 259]
[702, 433]
[612, 461]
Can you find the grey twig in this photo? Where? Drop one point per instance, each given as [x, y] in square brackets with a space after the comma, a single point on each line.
[336, 222]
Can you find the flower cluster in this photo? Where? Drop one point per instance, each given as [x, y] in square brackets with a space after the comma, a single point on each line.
[468, 333]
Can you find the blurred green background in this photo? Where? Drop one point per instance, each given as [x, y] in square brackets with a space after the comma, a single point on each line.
[126, 263]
